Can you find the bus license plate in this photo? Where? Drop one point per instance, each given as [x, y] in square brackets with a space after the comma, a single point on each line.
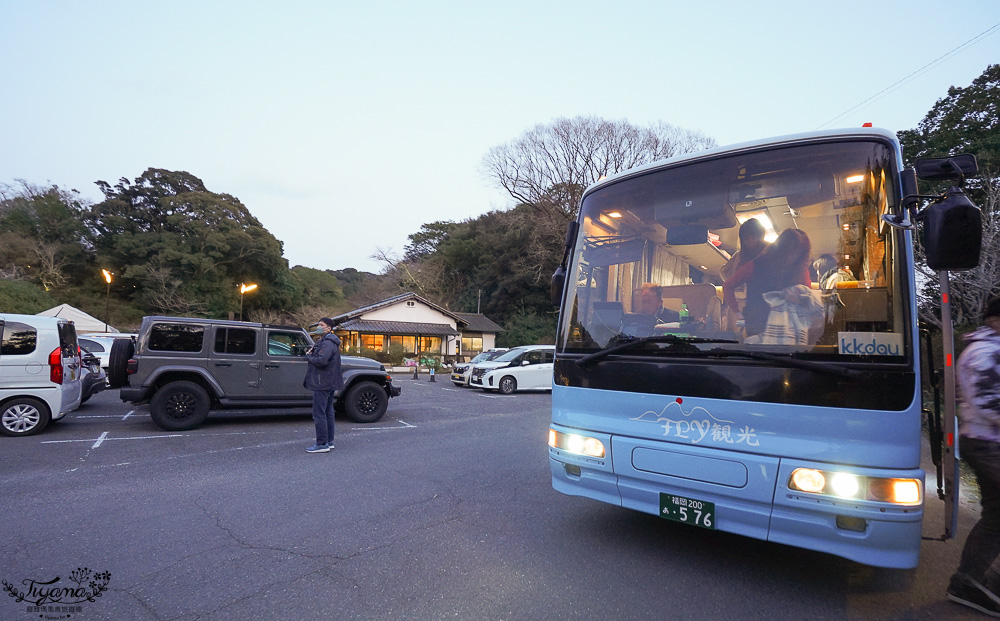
[687, 510]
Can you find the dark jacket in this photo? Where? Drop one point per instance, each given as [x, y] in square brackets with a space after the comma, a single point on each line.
[323, 372]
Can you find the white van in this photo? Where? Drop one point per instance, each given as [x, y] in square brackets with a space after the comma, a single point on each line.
[40, 372]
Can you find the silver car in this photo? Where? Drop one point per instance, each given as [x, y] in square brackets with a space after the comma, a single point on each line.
[100, 345]
[460, 372]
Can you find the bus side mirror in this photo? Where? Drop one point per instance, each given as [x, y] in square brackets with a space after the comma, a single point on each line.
[910, 191]
[953, 225]
[952, 232]
[556, 286]
[951, 167]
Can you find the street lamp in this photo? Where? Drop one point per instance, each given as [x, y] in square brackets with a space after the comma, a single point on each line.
[107, 302]
[243, 289]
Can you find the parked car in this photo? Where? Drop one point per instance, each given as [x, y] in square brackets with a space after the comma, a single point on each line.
[100, 345]
[40, 372]
[521, 368]
[94, 378]
[481, 368]
[461, 371]
[185, 367]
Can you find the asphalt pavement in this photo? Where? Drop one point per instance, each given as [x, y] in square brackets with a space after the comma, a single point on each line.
[441, 510]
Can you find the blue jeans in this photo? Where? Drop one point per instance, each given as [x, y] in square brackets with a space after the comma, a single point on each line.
[982, 547]
[323, 401]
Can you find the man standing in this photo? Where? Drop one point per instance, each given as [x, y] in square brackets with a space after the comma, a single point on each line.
[324, 378]
[976, 583]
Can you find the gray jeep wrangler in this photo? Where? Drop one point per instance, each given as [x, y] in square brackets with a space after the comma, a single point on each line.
[184, 367]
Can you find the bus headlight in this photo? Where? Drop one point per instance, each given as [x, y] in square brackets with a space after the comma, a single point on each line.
[807, 480]
[845, 485]
[576, 444]
[856, 487]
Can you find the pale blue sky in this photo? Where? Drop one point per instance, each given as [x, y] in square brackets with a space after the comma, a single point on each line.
[368, 119]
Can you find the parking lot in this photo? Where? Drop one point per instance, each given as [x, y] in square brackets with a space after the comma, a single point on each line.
[207, 521]
[443, 509]
[106, 433]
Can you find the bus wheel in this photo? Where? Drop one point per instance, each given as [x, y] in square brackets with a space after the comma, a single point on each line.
[508, 385]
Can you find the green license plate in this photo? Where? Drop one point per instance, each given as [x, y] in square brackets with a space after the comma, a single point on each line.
[687, 510]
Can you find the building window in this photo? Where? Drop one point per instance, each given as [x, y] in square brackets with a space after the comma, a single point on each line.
[348, 339]
[411, 304]
[409, 343]
[430, 343]
[373, 341]
[472, 344]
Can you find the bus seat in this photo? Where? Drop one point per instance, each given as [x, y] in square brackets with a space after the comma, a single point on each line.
[697, 297]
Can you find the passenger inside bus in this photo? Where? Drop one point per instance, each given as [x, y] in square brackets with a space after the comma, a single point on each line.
[649, 302]
[751, 240]
[783, 264]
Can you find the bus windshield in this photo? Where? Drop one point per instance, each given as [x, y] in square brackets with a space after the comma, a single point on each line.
[774, 251]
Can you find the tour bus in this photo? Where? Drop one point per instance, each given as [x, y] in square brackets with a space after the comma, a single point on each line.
[800, 426]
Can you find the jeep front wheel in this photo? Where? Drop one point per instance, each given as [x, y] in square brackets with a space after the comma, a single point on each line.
[179, 406]
[366, 402]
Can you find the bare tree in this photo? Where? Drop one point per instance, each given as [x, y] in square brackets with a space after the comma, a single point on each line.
[50, 266]
[163, 293]
[304, 316]
[549, 166]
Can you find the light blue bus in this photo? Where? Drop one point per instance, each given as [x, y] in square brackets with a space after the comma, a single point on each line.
[800, 424]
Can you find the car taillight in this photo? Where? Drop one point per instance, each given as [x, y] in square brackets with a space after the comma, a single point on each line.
[131, 366]
[56, 366]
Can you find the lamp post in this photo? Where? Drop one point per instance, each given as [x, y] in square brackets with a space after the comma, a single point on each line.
[107, 300]
[243, 289]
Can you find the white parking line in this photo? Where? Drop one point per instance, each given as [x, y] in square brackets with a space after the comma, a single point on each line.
[171, 435]
[130, 413]
[100, 440]
[405, 425]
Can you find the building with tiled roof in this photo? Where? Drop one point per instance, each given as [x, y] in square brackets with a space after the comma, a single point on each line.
[419, 326]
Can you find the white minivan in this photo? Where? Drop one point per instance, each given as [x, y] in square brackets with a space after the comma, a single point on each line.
[40, 372]
[528, 367]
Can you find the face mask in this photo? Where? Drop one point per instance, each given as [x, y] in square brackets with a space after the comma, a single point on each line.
[317, 331]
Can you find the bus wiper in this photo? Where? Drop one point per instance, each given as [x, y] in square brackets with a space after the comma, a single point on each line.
[812, 365]
[685, 343]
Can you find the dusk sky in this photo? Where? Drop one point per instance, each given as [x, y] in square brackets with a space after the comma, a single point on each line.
[367, 120]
